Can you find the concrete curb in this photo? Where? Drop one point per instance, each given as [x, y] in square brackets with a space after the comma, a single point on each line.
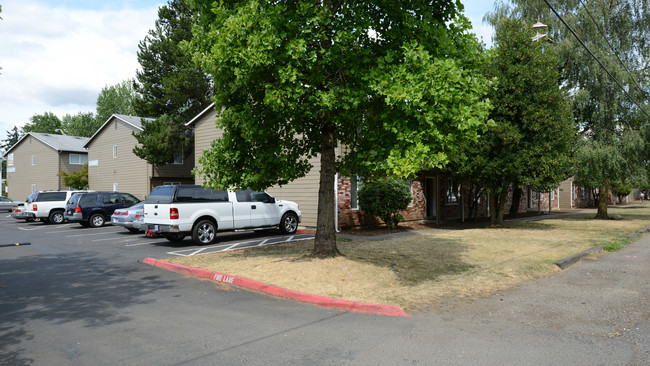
[566, 262]
[323, 301]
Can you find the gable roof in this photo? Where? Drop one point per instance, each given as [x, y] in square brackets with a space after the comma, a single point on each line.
[198, 116]
[57, 142]
[132, 121]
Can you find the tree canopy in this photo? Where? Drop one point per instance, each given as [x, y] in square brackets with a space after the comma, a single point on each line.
[169, 85]
[115, 99]
[369, 86]
[47, 122]
[616, 34]
[533, 137]
[83, 124]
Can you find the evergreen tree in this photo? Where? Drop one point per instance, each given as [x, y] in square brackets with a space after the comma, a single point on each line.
[170, 85]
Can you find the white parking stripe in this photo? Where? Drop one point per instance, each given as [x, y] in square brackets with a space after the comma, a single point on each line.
[90, 234]
[136, 244]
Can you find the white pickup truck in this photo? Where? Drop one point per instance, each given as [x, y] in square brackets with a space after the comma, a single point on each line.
[180, 210]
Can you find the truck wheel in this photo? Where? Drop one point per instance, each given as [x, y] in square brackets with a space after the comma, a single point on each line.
[175, 237]
[204, 232]
[96, 220]
[289, 223]
[56, 217]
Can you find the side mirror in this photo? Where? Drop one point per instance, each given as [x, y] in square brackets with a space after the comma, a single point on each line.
[271, 199]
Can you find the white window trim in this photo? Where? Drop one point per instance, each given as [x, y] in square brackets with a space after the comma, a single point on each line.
[33, 160]
[115, 187]
[114, 151]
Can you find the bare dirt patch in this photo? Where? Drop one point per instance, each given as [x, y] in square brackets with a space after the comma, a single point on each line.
[418, 271]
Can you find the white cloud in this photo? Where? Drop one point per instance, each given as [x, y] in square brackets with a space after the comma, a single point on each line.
[58, 59]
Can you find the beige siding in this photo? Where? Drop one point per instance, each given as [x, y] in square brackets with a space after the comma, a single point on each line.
[205, 132]
[303, 191]
[566, 193]
[131, 173]
[43, 174]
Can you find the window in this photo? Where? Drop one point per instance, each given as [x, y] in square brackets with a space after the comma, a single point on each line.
[355, 186]
[111, 198]
[88, 200]
[50, 196]
[178, 158]
[10, 159]
[410, 184]
[246, 195]
[114, 151]
[452, 192]
[33, 188]
[78, 159]
[115, 187]
[33, 159]
[199, 194]
[127, 198]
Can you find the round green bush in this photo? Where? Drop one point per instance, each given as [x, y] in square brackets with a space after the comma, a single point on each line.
[384, 198]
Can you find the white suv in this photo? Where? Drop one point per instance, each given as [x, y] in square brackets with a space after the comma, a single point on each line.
[49, 206]
[178, 211]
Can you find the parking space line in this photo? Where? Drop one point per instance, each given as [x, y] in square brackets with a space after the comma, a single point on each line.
[136, 244]
[88, 234]
[230, 246]
[30, 229]
[113, 239]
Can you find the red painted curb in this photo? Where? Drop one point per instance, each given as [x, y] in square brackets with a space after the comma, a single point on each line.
[323, 301]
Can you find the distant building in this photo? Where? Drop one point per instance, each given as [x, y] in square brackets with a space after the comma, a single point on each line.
[34, 162]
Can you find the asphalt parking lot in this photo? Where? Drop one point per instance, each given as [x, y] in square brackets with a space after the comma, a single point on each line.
[136, 244]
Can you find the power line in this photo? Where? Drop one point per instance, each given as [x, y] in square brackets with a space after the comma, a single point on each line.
[596, 58]
[602, 33]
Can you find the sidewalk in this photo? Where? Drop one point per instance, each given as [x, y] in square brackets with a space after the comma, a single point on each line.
[604, 296]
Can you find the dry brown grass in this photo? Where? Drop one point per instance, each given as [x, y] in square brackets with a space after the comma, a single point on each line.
[417, 271]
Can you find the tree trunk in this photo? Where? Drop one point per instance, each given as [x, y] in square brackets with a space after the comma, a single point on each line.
[497, 205]
[516, 200]
[502, 205]
[603, 199]
[325, 242]
[493, 208]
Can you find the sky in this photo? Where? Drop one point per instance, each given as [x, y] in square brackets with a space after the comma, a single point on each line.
[56, 56]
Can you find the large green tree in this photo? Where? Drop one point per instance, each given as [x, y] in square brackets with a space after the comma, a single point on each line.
[616, 33]
[83, 124]
[169, 85]
[115, 99]
[369, 86]
[532, 140]
[47, 122]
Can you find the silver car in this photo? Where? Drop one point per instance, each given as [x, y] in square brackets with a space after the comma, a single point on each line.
[18, 211]
[7, 204]
[131, 218]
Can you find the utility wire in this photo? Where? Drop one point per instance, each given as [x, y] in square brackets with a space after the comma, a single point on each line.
[602, 33]
[596, 58]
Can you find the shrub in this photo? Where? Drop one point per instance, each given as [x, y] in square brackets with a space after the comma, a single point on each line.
[384, 198]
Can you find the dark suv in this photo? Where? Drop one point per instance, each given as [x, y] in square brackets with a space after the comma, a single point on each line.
[95, 208]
